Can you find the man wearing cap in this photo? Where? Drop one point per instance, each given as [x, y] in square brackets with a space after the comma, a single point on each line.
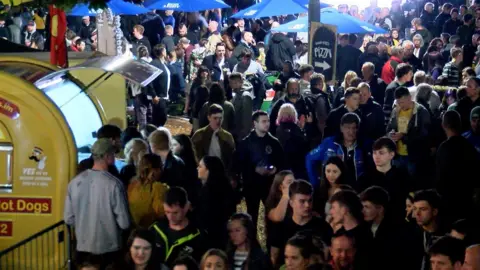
[97, 208]
[473, 135]
[112, 133]
[31, 38]
[87, 28]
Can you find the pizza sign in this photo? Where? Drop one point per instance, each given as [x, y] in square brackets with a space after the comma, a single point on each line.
[9, 109]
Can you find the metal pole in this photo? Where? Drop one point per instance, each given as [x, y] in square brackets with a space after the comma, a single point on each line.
[313, 12]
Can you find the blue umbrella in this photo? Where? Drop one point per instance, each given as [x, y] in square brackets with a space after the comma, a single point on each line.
[305, 3]
[82, 10]
[185, 5]
[268, 8]
[345, 24]
[117, 6]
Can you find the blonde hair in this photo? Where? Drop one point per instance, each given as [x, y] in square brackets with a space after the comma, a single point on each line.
[134, 149]
[348, 78]
[160, 139]
[287, 113]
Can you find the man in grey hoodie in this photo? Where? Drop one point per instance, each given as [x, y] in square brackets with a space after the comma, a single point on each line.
[243, 105]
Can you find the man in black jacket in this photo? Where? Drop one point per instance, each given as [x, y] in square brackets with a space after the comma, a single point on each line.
[352, 102]
[176, 235]
[371, 114]
[377, 85]
[456, 152]
[139, 39]
[376, 212]
[465, 31]
[466, 104]
[442, 18]
[428, 17]
[258, 158]
[279, 49]
[394, 180]
[161, 85]
[109, 132]
[32, 38]
[319, 106]
[247, 43]
[371, 56]
[347, 56]
[453, 23]
[218, 64]
[174, 169]
[154, 27]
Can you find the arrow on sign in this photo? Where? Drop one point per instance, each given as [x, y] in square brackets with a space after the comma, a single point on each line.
[324, 65]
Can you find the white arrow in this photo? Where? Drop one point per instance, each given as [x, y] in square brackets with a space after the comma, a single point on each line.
[324, 65]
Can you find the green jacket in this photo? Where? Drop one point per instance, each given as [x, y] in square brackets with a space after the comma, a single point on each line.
[201, 142]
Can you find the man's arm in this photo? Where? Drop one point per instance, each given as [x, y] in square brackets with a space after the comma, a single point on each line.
[120, 207]
[68, 215]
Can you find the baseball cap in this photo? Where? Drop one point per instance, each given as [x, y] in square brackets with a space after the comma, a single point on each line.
[475, 113]
[103, 147]
[31, 23]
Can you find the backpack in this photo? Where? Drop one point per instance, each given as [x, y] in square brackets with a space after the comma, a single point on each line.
[259, 91]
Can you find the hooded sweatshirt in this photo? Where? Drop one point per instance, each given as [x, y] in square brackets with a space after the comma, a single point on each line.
[243, 105]
[280, 49]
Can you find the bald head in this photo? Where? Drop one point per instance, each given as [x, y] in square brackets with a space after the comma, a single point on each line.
[472, 258]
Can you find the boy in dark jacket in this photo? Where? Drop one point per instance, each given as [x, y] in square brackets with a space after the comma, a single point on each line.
[176, 236]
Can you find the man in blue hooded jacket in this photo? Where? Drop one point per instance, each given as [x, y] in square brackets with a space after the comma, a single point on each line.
[355, 153]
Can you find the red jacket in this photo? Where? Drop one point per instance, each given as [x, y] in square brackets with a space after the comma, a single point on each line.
[388, 70]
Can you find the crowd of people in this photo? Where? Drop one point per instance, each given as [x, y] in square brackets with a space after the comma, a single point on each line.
[374, 171]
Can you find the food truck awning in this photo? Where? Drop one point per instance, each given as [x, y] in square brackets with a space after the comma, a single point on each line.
[138, 72]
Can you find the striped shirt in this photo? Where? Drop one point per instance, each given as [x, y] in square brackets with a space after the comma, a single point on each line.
[239, 258]
[452, 72]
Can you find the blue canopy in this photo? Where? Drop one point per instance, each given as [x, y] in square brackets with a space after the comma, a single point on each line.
[345, 24]
[268, 8]
[185, 5]
[305, 3]
[118, 7]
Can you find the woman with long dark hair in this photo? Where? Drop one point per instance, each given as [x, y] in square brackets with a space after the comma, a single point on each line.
[202, 77]
[243, 249]
[201, 96]
[216, 200]
[435, 65]
[277, 205]
[182, 147]
[333, 176]
[217, 96]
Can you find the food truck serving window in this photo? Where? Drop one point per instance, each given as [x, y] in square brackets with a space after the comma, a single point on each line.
[6, 160]
[78, 109]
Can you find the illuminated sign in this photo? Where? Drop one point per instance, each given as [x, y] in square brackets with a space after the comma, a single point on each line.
[6, 228]
[25, 205]
[9, 109]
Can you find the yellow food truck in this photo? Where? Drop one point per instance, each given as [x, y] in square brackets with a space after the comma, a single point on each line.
[48, 121]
